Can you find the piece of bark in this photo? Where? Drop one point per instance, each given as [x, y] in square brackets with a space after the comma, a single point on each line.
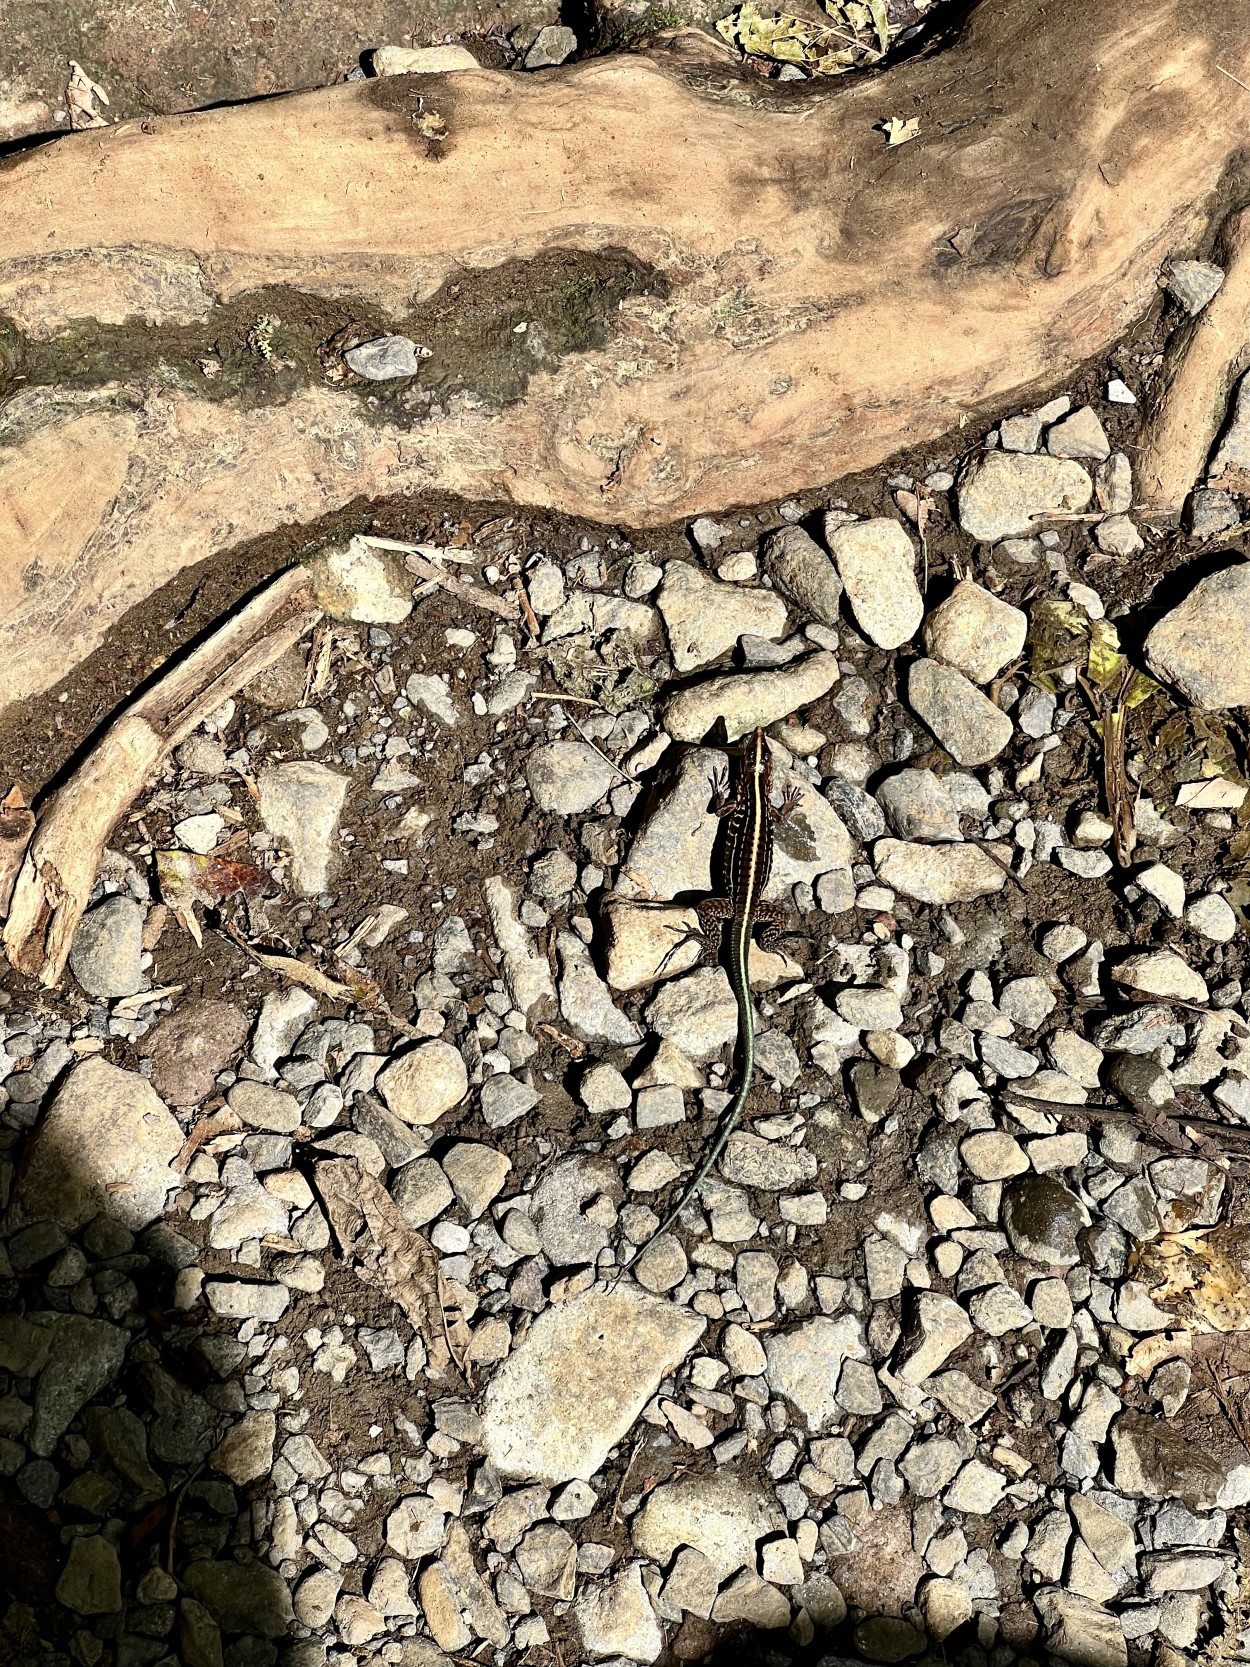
[17, 824]
[59, 869]
[1202, 361]
[813, 298]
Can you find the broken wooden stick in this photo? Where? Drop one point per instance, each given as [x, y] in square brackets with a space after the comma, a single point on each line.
[17, 824]
[1202, 362]
[478, 595]
[60, 865]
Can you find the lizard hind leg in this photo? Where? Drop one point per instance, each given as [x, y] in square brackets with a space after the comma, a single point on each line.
[771, 920]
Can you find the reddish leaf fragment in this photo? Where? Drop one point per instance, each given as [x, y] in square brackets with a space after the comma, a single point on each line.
[186, 879]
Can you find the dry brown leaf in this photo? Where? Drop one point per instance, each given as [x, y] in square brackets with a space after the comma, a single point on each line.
[300, 972]
[82, 94]
[186, 879]
[1151, 1352]
[206, 1129]
[389, 1253]
[1202, 1275]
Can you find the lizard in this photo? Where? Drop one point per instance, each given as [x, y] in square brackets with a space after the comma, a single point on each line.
[748, 864]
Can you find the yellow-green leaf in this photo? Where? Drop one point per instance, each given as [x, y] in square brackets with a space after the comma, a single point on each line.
[1106, 662]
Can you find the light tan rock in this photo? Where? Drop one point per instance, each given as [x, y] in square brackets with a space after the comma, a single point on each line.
[975, 631]
[104, 1147]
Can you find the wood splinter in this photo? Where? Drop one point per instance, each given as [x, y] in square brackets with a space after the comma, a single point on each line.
[63, 858]
[1200, 366]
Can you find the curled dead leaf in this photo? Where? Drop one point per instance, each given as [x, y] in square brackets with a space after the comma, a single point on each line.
[392, 1255]
[186, 879]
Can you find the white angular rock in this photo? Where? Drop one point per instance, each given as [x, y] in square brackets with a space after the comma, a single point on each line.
[383, 359]
[567, 777]
[646, 944]
[799, 567]
[993, 1155]
[1166, 886]
[975, 631]
[966, 722]
[300, 804]
[720, 1513]
[618, 1620]
[358, 581]
[804, 1364]
[749, 699]
[1080, 435]
[976, 1490]
[698, 1012]
[104, 1147]
[877, 564]
[422, 60]
[425, 1082]
[704, 617]
[246, 1450]
[586, 1003]
[1212, 918]
[672, 851]
[1002, 492]
[1160, 972]
[1199, 645]
[934, 1328]
[564, 1398]
[1194, 283]
[527, 972]
[431, 694]
[920, 807]
[941, 873]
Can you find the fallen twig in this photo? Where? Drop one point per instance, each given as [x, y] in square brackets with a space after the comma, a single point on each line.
[17, 824]
[1200, 364]
[478, 595]
[357, 986]
[1175, 1129]
[60, 866]
[624, 775]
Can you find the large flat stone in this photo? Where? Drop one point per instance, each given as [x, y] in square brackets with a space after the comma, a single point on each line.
[721, 1514]
[940, 873]
[1198, 645]
[1003, 492]
[104, 1148]
[566, 1396]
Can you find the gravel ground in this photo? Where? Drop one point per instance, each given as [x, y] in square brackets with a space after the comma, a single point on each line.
[314, 1346]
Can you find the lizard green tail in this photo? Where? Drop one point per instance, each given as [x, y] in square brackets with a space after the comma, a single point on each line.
[746, 1037]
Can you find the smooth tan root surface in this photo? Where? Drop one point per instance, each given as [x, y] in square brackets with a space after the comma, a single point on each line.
[828, 299]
